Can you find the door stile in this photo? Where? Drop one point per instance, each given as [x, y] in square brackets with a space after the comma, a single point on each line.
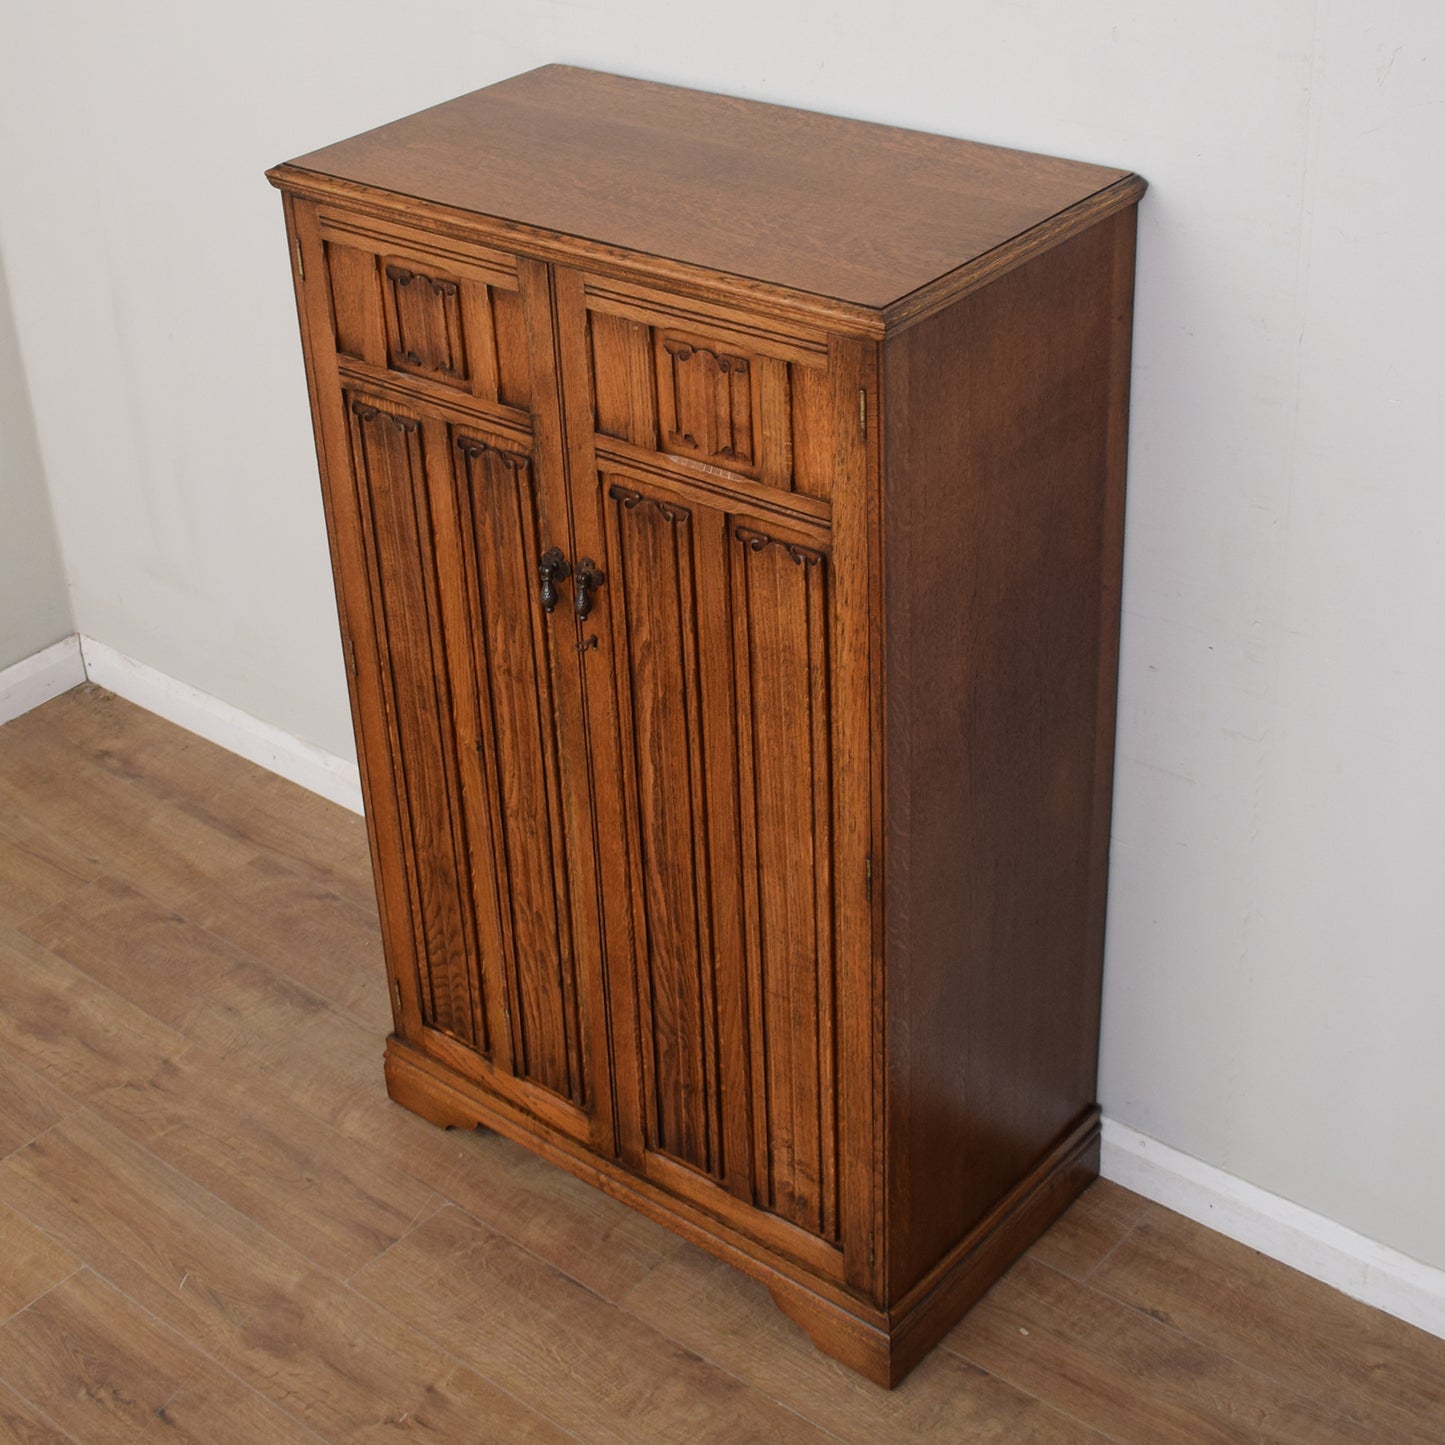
[576, 820]
[354, 609]
[854, 369]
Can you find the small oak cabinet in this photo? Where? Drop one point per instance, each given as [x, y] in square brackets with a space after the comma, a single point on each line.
[725, 507]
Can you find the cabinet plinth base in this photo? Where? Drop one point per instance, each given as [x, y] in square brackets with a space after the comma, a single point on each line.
[881, 1344]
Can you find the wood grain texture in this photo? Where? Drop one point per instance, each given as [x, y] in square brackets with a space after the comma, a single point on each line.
[502, 1309]
[69, 1028]
[103, 1369]
[300, 926]
[1096, 1225]
[1354, 1359]
[36, 872]
[22, 1423]
[1001, 486]
[265, 1343]
[1108, 1365]
[639, 167]
[732, 1321]
[32, 1103]
[341, 1364]
[296, 1177]
[30, 1263]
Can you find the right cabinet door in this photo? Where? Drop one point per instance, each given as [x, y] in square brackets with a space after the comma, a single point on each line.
[718, 627]
[719, 713]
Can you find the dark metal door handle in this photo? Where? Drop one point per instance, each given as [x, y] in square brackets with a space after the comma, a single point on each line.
[552, 568]
[589, 579]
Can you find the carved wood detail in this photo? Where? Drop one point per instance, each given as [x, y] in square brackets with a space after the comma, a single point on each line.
[394, 504]
[724, 683]
[424, 323]
[517, 463]
[512, 647]
[654, 567]
[757, 541]
[781, 616]
[706, 403]
[668, 510]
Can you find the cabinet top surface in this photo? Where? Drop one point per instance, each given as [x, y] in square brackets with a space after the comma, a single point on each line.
[839, 208]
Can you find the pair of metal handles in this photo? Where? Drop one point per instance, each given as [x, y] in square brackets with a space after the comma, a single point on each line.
[552, 568]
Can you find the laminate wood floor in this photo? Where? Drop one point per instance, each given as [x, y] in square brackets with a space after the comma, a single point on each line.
[215, 1227]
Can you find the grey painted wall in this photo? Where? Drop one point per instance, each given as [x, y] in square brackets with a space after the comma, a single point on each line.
[34, 602]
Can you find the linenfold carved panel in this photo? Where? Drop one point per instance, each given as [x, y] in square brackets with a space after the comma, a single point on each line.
[501, 539]
[660, 678]
[394, 504]
[781, 612]
[424, 322]
[705, 403]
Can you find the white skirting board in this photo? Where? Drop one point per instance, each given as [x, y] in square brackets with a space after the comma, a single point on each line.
[218, 722]
[1298, 1237]
[40, 677]
[1306, 1241]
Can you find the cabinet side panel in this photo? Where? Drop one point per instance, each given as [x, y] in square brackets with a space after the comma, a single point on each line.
[1004, 467]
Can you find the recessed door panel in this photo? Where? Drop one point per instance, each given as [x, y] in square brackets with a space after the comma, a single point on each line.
[393, 499]
[721, 639]
[519, 678]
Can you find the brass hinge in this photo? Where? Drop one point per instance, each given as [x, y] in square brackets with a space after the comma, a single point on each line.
[351, 656]
[872, 1257]
[396, 989]
[862, 413]
[300, 260]
[868, 877]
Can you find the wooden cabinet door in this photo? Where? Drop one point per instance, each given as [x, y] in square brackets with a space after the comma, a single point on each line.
[719, 717]
[434, 380]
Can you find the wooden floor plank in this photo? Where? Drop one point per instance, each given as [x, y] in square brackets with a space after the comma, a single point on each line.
[1129, 1375]
[104, 1370]
[30, 1264]
[298, 926]
[1380, 1371]
[581, 1231]
[1091, 1228]
[230, 1130]
[596, 1369]
[731, 1320]
[37, 869]
[64, 1025]
[29, 1103]
[317, 839]
[114, 824]
[22, 1423]
[210, 991]
[347, 1368]
[231, 806]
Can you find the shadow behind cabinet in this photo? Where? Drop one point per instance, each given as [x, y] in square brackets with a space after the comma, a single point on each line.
[725, 508]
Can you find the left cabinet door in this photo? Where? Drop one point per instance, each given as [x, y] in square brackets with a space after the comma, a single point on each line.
[438, 427]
